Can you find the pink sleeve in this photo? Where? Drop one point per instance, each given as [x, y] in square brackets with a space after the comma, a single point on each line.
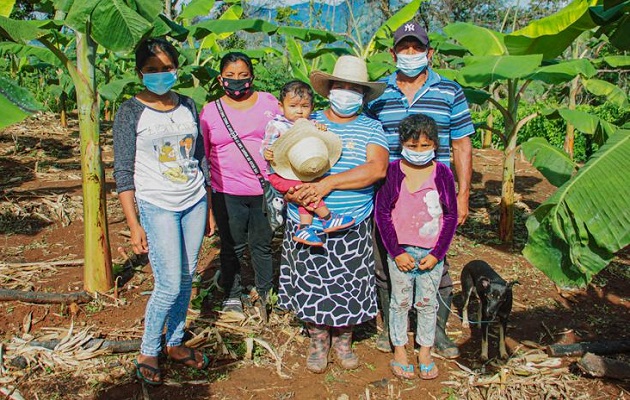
[205, 132]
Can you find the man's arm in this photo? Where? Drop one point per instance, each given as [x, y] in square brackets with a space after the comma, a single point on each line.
[462, 159]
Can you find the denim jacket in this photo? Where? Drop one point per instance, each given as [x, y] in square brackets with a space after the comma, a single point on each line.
[388, 195]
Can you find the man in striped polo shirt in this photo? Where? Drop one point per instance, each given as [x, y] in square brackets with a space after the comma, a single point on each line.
[416, 88]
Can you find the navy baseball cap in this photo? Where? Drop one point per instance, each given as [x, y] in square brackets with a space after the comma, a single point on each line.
[411, 29]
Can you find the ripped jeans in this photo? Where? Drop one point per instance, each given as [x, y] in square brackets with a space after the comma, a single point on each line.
[424, 299]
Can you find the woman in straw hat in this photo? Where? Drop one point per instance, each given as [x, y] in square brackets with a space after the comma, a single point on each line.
[237, 194]
[331, 288]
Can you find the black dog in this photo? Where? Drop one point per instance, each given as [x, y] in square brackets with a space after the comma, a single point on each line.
[495, 296]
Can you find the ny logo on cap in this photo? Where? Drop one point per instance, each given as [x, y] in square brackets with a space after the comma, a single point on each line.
[410, 27]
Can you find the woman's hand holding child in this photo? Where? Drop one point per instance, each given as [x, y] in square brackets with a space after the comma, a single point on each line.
[268, 155]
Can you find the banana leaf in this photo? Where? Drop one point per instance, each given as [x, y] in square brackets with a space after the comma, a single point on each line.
[196, 9]
[553, 163]
[617, 61]
[613, 93]
[551, 35]
[16, 103]
[564, 71]
[308, 34]
[6, 6]
[589, 124]
[478, 40]
[218, 26]
[112, 90]
[480, 71]
[576, 232]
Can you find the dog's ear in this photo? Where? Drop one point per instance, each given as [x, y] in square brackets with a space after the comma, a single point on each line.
[485, 282]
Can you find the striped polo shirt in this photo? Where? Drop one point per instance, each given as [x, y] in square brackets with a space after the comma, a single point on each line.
[439, 98]
[355, 137]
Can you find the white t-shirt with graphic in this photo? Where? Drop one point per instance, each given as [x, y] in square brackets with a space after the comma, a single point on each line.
[165, 165]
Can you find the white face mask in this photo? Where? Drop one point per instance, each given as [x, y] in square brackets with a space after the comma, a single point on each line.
[418, 157]
[412, 65]
[345, 103]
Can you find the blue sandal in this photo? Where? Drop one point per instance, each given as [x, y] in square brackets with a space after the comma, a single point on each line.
[191, 357]
[426, 369]
[406, 371]
[155, 371]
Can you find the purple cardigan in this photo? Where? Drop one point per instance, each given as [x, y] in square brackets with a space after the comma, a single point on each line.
[388, 195]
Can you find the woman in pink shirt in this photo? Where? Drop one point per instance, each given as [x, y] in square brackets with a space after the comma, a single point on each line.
[237, 195]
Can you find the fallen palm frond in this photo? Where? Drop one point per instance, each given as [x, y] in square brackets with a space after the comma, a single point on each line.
[523, 377]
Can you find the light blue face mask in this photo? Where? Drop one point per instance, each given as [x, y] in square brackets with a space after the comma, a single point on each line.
[412, 65]
[345, 103]
[417, 157]
[159, 82]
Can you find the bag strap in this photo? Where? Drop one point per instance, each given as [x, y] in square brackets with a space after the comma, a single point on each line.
[239, 144]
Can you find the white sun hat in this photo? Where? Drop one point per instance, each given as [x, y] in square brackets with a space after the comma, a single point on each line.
[304, 152]
[347, 69]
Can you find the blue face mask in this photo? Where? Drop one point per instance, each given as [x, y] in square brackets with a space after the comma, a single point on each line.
[345, 103]
[418, 157]
[159, 82]
[412, 65]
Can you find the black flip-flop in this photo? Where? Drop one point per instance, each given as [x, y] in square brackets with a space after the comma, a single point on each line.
[191, 357]
[155, 371]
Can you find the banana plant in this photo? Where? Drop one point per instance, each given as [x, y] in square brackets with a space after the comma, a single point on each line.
[514, 61]
[576, 232]
[117, 25]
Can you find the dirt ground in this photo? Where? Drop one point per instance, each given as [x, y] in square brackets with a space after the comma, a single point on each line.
[41, 221]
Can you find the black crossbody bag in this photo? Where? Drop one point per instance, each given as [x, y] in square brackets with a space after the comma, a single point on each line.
[273, 201]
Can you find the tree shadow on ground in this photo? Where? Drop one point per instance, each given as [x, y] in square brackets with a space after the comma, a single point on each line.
[47, 147]
[11, 224]
[13, 173]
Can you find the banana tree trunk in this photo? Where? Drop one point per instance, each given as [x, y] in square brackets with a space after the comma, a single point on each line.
[506, 219]
[98, 264]
[487, 134]
[512, 126]
[63, 115]
[569, 138]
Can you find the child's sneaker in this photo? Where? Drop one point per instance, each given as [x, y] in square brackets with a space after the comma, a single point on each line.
[337, 222]
[308, 236]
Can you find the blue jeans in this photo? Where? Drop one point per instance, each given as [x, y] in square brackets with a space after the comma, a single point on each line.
[424, 300]
[174, 239]
[241, 222]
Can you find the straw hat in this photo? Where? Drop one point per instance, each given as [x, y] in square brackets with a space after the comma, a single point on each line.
[304, 152]
[347, 69]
